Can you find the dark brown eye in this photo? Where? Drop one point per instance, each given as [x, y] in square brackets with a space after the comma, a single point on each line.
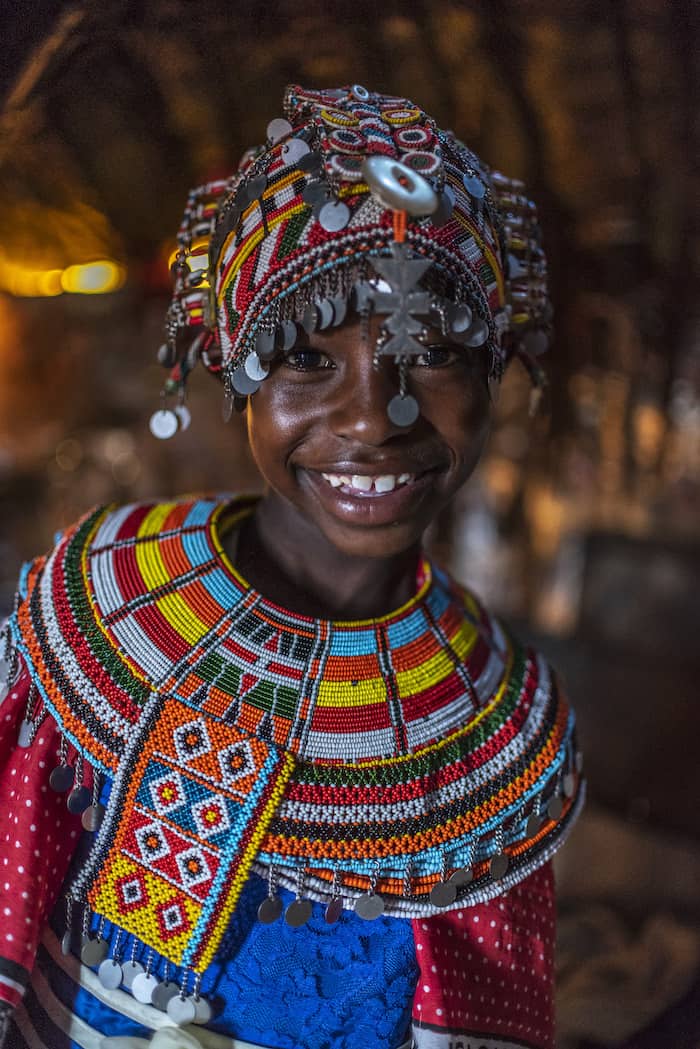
[306, 359]
[436, 357]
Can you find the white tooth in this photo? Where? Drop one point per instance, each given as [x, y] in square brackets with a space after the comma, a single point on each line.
[362, 482]
[344, 479]
[333, 480]
[405, 478]
[385, 483]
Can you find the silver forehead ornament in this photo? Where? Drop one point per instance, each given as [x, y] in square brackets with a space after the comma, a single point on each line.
[398, 187]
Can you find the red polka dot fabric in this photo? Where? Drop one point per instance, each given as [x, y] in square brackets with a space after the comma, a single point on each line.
[37, 839]
[488, 972]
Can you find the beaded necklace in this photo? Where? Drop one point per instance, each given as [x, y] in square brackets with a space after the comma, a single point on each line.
[420, 760]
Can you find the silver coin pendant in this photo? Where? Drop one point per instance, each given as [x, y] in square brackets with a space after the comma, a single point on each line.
[61, 779]
[143, 987]
[369, 906]
[110, 974]
[555, 807]
[203, 1011]
[94, 952]
[163, 993]
[270, 910]
[181, 1010]
[78, 800]
[462, 876]
[498, 866]
[130, 970]
[532, 827]
[298, 913]
[92, 817]
[163, 424]
[443, 894]
[334, 216]
[333, 911]
[403, 411]
[24, 738]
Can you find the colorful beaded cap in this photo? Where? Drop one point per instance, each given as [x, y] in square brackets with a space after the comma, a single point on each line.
[384, 757]
[297, 228]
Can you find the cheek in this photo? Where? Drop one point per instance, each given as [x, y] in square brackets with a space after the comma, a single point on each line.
[464, 424]
[276, 426]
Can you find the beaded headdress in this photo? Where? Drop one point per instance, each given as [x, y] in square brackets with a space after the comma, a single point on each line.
[356, 201]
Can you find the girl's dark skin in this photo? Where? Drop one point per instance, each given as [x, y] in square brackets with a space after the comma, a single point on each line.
[322, 551]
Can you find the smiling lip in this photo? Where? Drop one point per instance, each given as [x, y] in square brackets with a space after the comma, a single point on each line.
[380, 504]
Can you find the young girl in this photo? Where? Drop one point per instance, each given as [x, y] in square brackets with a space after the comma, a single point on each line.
[270, 777]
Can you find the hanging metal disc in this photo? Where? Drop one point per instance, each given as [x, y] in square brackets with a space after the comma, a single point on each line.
[309, 319]
[277, 129]
[569, 784]
[311, 161]
[477, 334]
[203, 1011]
[333, 910]
[298, 913]
[130, 970]
[254, 368]
[110, 974]
[315, 193]
[257, 186]
[325, 313]
[340, 309]
[61, 779]
[474, 187]
[184, 416]
[555, 807]
[265, 345]
[532, 827]
[293, 150]
[66, 941]
[94, 952]
[334, 216]
[166, 355]
[143, 987]
[270, 910]
[286, 335]
[242, 383]
[459, 317]
[403, 411]
[24, 736]
[369, 906]
[498, 866]
[163, 424]
[164, 992]
[462, 876]
[181, 1010]
[443, 894]
[78, 800]
[92, 819]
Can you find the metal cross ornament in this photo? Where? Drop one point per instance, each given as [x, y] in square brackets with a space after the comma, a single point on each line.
[402, 273]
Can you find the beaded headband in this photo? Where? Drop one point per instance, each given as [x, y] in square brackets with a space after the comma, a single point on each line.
[357, 200]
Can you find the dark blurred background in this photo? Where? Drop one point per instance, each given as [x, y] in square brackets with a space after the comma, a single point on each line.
[581, 527]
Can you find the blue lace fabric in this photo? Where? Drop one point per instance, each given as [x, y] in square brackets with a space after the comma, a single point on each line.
[320, 986]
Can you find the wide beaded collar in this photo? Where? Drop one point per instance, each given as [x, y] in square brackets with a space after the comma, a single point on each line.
[416, 760]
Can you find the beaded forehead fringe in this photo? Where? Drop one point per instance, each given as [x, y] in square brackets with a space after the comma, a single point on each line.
[459, 771]
[291, 240]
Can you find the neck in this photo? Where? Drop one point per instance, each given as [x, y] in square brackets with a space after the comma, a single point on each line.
[289, 561]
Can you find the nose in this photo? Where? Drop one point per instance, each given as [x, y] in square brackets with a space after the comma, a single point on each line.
[359, 410]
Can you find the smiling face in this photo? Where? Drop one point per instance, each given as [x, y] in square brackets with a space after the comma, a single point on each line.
[337, 467]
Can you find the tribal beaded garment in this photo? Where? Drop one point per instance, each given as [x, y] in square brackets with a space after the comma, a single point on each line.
[419, 758]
